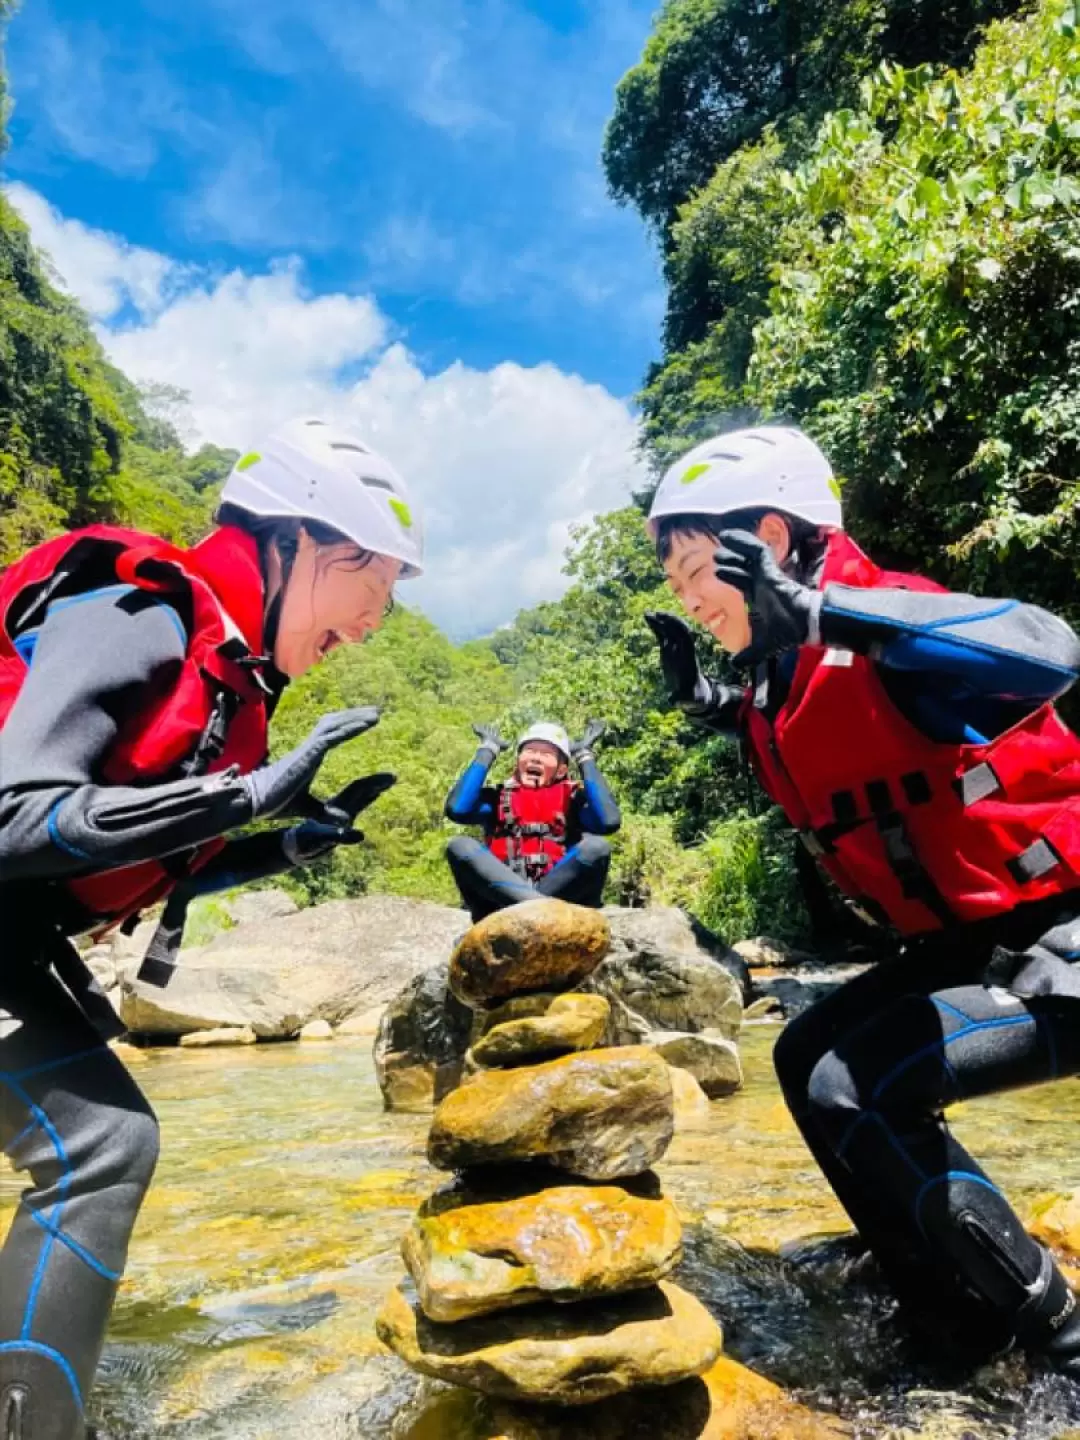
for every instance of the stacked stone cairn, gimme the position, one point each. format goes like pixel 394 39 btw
pixel 538 1274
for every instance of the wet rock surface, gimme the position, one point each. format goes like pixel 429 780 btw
pixel 421 1042
pixel 569 1023
pixel 600 1114
pixel 540 945
pixel 560 1354
pixel 568 1243
pixel 712 1060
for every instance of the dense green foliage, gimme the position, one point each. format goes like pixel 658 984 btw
pixel 716 73
pixel 905 282
pixel 77 444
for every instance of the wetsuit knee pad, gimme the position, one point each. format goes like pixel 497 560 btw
pixel 130 1151
pixel 794 1056
pixel 592 850
pixel 970 1220
pixel 831 1094
pixel 39 1397
pixel 462 847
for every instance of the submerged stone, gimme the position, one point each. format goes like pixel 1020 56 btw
pixel 570 1022
pixel 569 1243
pixel 712 1059
pixel 601 1114
pixel 561 1354
pixel 539 945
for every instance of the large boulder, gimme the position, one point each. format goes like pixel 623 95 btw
pixel 666 972
pixel 560 1354
pixel 421 1043
pixel 538 945
pixel 712 1060
pixel 568 1243
pixel 600 1114
pixel 276 975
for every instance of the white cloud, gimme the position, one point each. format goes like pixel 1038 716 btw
pixel 503 461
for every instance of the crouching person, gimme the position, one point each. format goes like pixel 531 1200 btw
pixel 542 830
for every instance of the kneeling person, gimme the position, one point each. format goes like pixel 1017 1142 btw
pixel 542 830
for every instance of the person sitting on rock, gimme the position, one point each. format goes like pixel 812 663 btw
pixel 910 735
pixel 137 681
pixel 542 830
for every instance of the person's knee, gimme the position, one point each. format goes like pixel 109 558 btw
pixel 794 1056
pixel 462 848
pixel 125 1154
pixel 593 850
pixel 831 1094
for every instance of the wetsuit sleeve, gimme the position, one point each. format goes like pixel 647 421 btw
pixel 91 664
pixel 470 802
pixel 999 649
pixel 243 861
pixel 598 811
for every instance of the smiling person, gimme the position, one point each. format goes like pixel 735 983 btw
pixel 910 735
pixel 542 830
pixel 137 681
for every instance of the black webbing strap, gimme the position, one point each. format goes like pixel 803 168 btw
pixel 159 962
pixel 915 881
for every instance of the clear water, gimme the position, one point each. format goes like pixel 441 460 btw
pixel 272 1233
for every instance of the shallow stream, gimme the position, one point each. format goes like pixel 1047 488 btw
pixel 272 1233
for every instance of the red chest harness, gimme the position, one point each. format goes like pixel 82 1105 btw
pixel 530 828
pixel 921 833
pixel 214 716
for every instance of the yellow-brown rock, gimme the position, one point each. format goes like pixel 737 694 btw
pixel 601 1114
pixel 728 1402
pixel 570 1243
pixel 1057 1223
pixel 570 1022
pixel 518 1007
pixel 540 945
pixel 560 1354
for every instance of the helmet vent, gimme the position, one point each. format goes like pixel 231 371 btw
pixel 316 422
pixel 344 445
pixel 374 483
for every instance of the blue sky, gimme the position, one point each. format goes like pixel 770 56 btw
pixel 439 155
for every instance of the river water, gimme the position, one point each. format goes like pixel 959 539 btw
pixel 272 1232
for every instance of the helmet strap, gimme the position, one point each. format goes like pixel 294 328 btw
pixel 284 547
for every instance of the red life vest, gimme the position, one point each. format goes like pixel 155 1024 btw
pixel 530 827
pixel 921 833
pixel 214 716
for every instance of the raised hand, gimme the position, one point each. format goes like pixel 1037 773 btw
pixel 581 750
pixel 678 657
pixel 275 786
pixel 490 740
pixel 783 613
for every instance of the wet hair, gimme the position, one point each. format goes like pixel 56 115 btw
pixel 807 539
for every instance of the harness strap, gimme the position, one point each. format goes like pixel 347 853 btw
pixel 916 883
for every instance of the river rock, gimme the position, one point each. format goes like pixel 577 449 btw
pixel 728 1402
pixel 323 963
pixel 763 952
pixel 600 1114
pixel 570 1022
pixel 665 972
pixel 691 1103
pixel 226 1035
pixel 711 1059
pixel 569 1243
pixel 538 945
pixel 560 1354
pixel 248 907
pixel 421 1042
pixel 1056 1223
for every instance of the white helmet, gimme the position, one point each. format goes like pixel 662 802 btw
pixel 309 470
pixel 770 466
pixel 552 734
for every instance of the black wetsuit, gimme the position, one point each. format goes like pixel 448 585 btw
pixel 486 884
pixel 964 1012
pixel 71 1116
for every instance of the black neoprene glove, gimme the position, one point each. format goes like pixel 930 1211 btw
pixel 491 742
pixel 581 750
pixel 332 822
pixel 705 701
pixel 783 613
pixel 274 787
